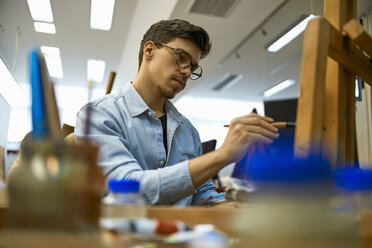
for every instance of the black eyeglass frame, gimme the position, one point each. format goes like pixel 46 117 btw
pixel 177 51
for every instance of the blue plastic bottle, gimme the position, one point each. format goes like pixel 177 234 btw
pixel 124 200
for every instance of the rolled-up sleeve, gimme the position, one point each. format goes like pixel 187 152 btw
pixel 204 191
pixel 159 186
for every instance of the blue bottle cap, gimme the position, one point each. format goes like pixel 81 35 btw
pixel 353 179
pixel 285 169
pixel 124 186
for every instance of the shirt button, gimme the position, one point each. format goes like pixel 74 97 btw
pixel 160 132
pixel 162 162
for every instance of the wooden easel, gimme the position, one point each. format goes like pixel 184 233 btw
pixel 336 48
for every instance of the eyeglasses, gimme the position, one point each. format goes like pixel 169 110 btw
pixel 184 60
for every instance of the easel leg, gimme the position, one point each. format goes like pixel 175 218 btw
pixel 338 133
pixel 308 134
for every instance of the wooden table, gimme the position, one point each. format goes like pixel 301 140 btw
pixel 229 218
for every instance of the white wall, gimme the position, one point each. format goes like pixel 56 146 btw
pixel 4 123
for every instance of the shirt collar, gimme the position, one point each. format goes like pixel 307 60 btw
pixel 138 106
pixel 172 112
pixel 135 102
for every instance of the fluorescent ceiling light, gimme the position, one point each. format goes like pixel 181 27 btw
pixel 227 81
pixel 40 10
pixel 289 35
pixel 279 87
pixel 9 88
pixel 101 13
pixel 52 51
pixel 96 70
pixel 54 65
pixel 44 27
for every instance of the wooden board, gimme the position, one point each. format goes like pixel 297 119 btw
pixel 59 239
pixel 357 33
pixel 221 218
pixel 338 112
pixel 308 132
pixel 349 56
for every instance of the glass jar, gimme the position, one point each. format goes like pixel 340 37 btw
pixel 124 200
pixel 291 206
pixel 56 186
pixel 354 198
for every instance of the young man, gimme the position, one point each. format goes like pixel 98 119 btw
pixel 142 136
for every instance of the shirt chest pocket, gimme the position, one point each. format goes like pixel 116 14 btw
pixel 187 155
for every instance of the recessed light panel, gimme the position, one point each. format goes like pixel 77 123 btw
pixel 40 10
pixel 279 87
pixel 52 51
pixel 44 27
pixel 290 35
pixel 101 13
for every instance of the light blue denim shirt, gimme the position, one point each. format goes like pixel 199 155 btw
pixel 130 138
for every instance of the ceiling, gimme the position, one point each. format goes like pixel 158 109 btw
pixel 250 25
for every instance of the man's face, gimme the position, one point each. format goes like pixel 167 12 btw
pixel 167 75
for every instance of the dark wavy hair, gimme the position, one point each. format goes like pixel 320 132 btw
pixel 167 30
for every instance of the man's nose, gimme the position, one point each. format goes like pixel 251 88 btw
pixel 186 71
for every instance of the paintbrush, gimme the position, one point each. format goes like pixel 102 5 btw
pixel 280 124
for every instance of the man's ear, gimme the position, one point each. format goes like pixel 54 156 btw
pixel 148 49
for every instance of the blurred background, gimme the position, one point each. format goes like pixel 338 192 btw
pixel 240 69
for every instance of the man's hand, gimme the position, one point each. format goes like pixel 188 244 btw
pixel 245 131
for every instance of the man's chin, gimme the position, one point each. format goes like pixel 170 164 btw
pixel 170 95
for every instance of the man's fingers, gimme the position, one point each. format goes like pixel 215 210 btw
pixel 265 118
pixel 267 126
pixel 255 121
pixel 259 138
pixel 262 131
pixel 252 115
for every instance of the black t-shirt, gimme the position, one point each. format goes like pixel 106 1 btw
pixel 163 120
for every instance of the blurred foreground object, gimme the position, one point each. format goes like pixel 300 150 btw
pixel 237 189
pixel 167 233
pixel 124 200
pixel 67 129
pixel 144 226
pixel 354 197
pixel 15 165
pixel 291 206
pixel 56 185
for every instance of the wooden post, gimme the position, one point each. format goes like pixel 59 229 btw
pixel 357 33
pixel 308 133
pixel 2 165
pixel 55 121
pixel 110 82
pixel 339 117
